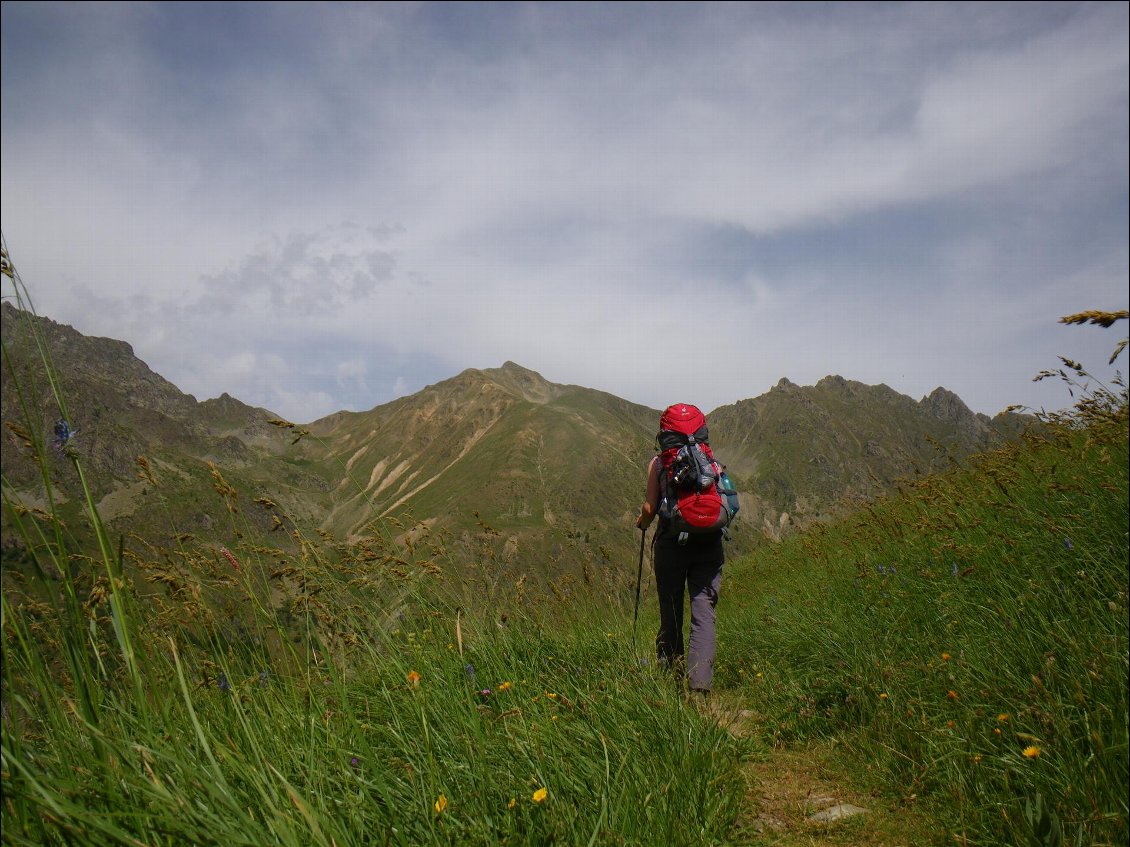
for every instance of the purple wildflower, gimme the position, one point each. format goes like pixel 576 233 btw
pixel 222 682
pixel 1067 545
pixel 63 433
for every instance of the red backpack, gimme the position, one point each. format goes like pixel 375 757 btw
pixel 694 492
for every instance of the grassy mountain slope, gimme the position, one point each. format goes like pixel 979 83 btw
pixel 548 472
pixel 807 451
pixel 964 642
pixel 540 463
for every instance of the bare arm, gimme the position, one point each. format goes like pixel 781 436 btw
pixel 651 502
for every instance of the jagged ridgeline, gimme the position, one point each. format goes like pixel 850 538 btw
pixel 120 410
pixel 810 452
pixel 540 477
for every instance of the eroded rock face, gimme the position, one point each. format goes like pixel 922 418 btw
pixel 947 407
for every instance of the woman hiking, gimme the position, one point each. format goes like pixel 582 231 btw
pixel 683 492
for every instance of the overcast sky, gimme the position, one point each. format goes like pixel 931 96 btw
pixel 323 207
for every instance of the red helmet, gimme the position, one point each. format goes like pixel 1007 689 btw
pixel 682 417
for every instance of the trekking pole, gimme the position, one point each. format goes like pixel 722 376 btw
pixel 639 579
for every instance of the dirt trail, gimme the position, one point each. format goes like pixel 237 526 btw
pixel 805 795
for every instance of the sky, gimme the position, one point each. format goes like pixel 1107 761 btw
pixel 316 207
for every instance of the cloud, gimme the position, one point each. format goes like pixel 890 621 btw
pixel 328 207
pixel 352 373
pixel 319 273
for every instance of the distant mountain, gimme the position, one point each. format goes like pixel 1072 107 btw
pixel 541 474
pixel 809 451
pixel 538 462
pixel 120 410
pixel 556 470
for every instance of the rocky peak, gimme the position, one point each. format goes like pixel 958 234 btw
pixel 525 383
pixel 839 385
pixel 943 405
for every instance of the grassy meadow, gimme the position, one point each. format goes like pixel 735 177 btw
pixel 964 641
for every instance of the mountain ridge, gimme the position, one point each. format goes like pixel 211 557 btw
pixel 554 469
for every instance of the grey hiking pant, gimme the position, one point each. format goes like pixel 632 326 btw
pixel 695 568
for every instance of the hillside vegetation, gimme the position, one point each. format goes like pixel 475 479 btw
pixel 966 641
pixel 555 470
pixel 963 641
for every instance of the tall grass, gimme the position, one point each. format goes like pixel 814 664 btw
pixel 323 693
pixel 529 737
pixel 968 638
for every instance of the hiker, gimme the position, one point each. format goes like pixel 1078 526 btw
pixel 687 548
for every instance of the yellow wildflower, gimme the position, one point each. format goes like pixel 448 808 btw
pixel 1002 717
pixel 945 657
pixel 1031 752
pixel 441 804
pixel 540 795
pixel 883 696
pixel 414 679
pixel 513 802
pixel 504 687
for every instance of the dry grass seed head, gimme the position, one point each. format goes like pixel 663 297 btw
pixel 1105 319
